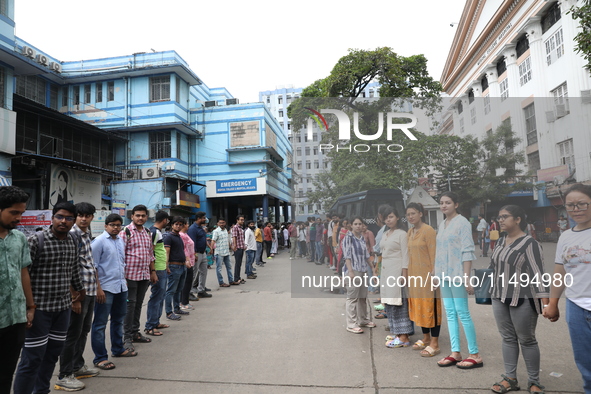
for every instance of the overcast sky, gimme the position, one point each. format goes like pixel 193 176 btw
pixel 244 46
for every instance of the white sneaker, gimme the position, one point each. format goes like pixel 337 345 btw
pixel 187 307
pixel 68 383
pixel 86 372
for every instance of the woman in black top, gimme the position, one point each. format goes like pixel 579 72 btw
pixel 518 295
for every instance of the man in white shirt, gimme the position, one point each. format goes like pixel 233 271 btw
pixel 481 228
pixel 251 248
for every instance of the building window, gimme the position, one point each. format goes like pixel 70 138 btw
pixel 311 208
pixel 288 126
pixel 529 113
pixel 288 99
pixel 484 83
pixel 31 87
pixel 111 91
pixel 178 89
pixel 371 93
pixel 487 104
pixel 561 100
pixel 160 89
pixel 554 47
pixel 315 151
pixel 280 99
pixel 99 92
pixel 301 209
pixel 533 161
pixel 525 71
pixel 504 86
pixel 470 96
pixel 460 107
pixel 299 138
pixel 325 164
pixel 522 45
pixel 76 91
pixel 281 114
pixel 53 94
pixel 65 96
pixel 268 99
pixel 461 125
pixel 4 7
pixel 501 67
pixel 281 125
pixel 179 140
pixel 160 145
pixel 566 154
pixel 299 165
pixel 315 137
pixel 316 164
pixel 473 116
pixel 308 165
pixel 307 149
pixel 298 151
pixel 552 16
pixel 87 94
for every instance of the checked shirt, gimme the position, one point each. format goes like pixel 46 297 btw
pixel 54 272
pixel 139 252
pixel 238 233
pixel 87 268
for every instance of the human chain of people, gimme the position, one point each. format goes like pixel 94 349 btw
pixel 64 284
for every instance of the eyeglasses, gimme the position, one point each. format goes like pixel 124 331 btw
pixel 114 225
pixel 62 217
pixel 503 217
pixel 581 206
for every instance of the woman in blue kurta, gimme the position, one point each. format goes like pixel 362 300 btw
pixel 453 261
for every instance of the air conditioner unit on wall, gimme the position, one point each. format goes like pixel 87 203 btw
pixel 561 110
pixel 150 173
pixel 29 52
pixel 210 104
pixel 586 96
pixel 232 101
pixel 129 174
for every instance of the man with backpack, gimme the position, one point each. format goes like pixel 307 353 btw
pixel 139 272
pixel 158 289
pixel 54 271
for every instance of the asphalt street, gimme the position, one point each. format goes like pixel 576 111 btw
pixel 270 336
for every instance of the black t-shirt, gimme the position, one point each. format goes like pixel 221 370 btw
pixel 177 247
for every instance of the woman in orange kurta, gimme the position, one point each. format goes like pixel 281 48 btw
pixel 423 304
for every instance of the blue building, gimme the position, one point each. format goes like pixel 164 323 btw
pixel 141 129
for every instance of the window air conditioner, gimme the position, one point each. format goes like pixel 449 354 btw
pixel 210 103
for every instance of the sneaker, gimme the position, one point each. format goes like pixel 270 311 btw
pixel 172 316
pixel 193 297
pixel 86 372
pixel 187 307
pixel 69 383
pixel 205 295
pixel 251 277
pixel 181 312
pixel 206 289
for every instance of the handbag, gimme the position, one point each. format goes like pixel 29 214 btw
pixel 482 291
pixel 494 235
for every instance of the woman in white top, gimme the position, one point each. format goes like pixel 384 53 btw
pixel 573 271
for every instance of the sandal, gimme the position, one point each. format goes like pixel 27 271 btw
pixel 126 353
pixel 355 330
pixel 473 364
pixel 140 338
pixel 537 384
pixel 153 331
pixel 419 345
pixel 105 365
pixel 369 324
pixel 381 315
pixel 162 325
pixel 429 352
pixel 397 343
pixel 513 386
pixel 452 361
pixel 224 285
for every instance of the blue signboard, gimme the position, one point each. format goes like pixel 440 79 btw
pixel 236 185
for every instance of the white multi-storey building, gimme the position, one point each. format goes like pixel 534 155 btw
pixel 514 60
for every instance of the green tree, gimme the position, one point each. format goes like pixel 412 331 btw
pixel 583 38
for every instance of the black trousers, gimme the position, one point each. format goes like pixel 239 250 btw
pixel 268 245
pixel 238 255
pixel 12 339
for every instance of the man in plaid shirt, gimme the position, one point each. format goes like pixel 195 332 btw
pixel 221 245
pixel 238 247
pixel 55 269
pixel 139 272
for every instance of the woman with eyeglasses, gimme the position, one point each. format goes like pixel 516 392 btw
pixel 453 262
pixel 573 272
pixel 518 295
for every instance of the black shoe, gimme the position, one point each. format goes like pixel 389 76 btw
pixel 192 297
pixel 206 289
pixel 204 295
pixel 181 312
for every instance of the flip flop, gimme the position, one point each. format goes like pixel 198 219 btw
pixel 473 364
pixel 126 353
pixel 452 361
pixel 419 345
pixel 430 352
pixel 105 365
pixel 369 324
pixel 162 325
pixel 355 330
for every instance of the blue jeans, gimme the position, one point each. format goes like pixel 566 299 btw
pixel 579 326
pixel 156 300
pixel 219 260
pixel 176 281
pixel 115 306
pixel 44 342
pixel 250 255
pixel 259 254
pixel 319 253
pixel 455 302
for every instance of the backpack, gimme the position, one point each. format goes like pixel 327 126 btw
pixel 41 240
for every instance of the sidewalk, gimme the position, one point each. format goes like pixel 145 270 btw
pixel 257 338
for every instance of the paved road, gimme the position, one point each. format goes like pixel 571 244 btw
pixel 266 336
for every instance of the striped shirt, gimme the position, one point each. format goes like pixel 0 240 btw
pixel 222 246
pixel 238 233
pixel 139 252
pixel 510 262
pixel 87 268
pixel 354 249
pixel 54 272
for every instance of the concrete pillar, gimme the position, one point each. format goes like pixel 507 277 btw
pixel 277 210
pixel 265 208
